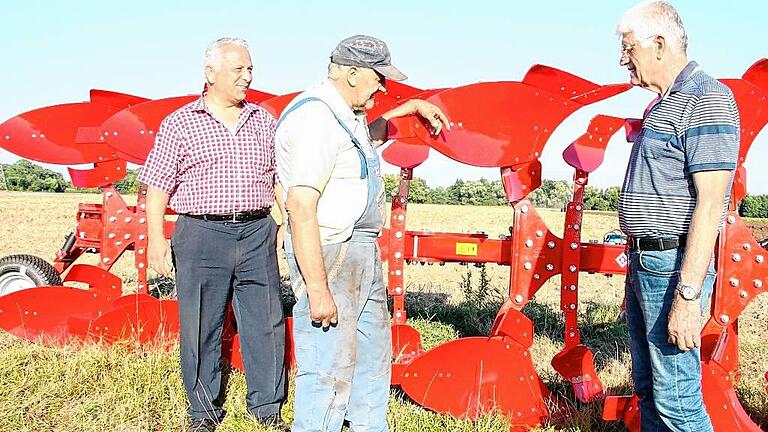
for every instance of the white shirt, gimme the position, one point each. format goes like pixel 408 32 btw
pixel 313 150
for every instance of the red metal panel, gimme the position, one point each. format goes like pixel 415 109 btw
pixel 115 99
pixel 61 134
pixel 473 376
pixel 99 280
pixel 131 132
pixel 277 104
pixel 139 320
pixel 587 152
pixel 742 270
pixel 102 174
pixel 42 314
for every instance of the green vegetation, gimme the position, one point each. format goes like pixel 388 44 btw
pixel 27 176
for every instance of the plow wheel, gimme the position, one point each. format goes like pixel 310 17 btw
pixel 18 272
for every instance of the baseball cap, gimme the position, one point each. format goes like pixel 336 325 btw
pixel 368 52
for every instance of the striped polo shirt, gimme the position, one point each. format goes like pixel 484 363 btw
pixel 694 127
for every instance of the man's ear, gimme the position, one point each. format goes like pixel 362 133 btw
pixel 352 76
pixel 660 46
pixel 209 75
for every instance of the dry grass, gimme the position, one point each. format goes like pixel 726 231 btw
pixel 97 389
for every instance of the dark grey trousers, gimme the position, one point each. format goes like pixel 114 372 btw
pixel 216 262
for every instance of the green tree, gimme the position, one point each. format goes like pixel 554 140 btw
pixel 24 175
pixel 129 184
pixel 755 206
pixel 391 182
pixel 551 194
pixel 440 195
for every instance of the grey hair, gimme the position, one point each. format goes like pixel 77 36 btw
pixel 654 18
pixel 213 52
pixel 336 70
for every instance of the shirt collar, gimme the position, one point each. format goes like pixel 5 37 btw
pixel 327 92
pixel 199 106
pixel 683 76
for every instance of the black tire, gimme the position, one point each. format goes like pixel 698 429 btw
pixel 20 271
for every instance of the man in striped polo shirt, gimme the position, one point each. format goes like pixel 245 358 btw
pixel 675 191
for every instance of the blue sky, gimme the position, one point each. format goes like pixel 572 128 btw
pixel 56 51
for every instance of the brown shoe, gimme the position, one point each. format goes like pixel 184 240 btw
pixel 276 422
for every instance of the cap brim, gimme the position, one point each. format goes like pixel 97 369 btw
pixel 391 72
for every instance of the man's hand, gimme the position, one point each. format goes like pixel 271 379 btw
pixel 159 256
pixel 684 326
pixel 430 113
pixel 322 308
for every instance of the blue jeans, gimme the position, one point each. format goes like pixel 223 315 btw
pixel 666 379
pixel 344 372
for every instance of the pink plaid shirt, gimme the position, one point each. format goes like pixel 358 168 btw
pixel 206 169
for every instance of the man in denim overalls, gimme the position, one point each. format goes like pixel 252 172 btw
pixel 328 166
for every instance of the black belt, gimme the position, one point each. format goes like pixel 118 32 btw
pixel 656 243
pixel 243 216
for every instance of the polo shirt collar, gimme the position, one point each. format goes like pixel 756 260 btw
pixel 683 76
pixel 331 96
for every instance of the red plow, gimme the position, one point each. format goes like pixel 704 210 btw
pixel 498 124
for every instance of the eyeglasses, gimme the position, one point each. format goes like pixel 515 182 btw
pixel 626 49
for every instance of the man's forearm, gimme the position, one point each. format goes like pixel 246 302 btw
pixel 305 238
pixel 157 201
pixel 700 244
pixel 711 189
pixel 280 201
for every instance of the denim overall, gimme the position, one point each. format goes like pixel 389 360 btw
pixel 344 371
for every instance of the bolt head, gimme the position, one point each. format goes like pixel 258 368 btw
pixel 519 298
pixel 527 266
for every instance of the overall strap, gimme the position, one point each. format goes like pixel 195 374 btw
pixel 358 146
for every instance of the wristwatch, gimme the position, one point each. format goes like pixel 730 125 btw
pixel 688 292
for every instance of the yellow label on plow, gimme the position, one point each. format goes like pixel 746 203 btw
pixel 466 249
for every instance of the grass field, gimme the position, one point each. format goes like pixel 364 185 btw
pixel 94 389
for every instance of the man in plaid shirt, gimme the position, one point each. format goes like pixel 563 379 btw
pixel 213 162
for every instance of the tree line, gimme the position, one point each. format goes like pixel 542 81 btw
pixel 24 175
pixel 27 176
